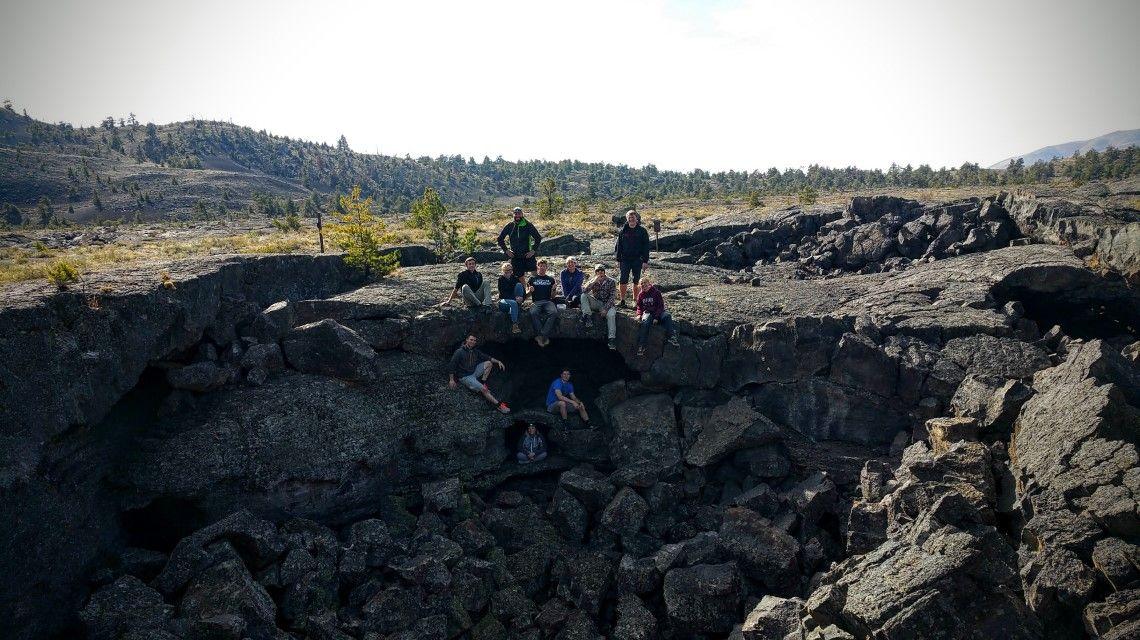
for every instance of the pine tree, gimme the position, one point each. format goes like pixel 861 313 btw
pixel 361 236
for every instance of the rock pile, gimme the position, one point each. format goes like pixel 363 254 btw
pixel 940 446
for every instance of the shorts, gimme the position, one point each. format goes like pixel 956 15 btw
pixel 523 265
pixel 472 381
pixel 553 407
pixel 625 268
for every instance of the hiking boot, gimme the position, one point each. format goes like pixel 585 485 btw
pixel 611 344
pixel 641 351
pixel 503 408
pixel 516 329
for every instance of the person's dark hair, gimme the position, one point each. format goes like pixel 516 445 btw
pixel 564 370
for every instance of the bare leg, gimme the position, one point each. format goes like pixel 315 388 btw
pixel 621 292
pixel 562 408
pixel 582 412
pixel 486 371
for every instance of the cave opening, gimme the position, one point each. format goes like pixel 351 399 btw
pixel 530 369
pixel 517 427
pixel 161 524
pixel 1115 320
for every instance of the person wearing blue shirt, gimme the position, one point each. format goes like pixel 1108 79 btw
pixel 571 280
pixel 560 397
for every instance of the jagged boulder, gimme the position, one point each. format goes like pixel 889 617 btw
pixel 645 431
pixel 328 348
pixel 723 430
pixel 124 606
pixel 704 598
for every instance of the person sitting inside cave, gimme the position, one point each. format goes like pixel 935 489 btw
pixel 511 295
pixel 560 398
pixel 472 367
pixel 472 286
pixel 543 313
pixel 532 446
pixel 650 309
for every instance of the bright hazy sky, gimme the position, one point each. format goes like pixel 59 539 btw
pixel 741 84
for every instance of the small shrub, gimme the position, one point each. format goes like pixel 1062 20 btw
pixel 167 281
pixel 808 195
pixel 362 237
pixel 469 243
pixel 62 274
pixel 291 222
pixel 754 199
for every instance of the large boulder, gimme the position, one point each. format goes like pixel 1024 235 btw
pixel 124 606
pixel 764 552
pixel 704 598
pixel 328 348
pixel 719 432
pixel 645 431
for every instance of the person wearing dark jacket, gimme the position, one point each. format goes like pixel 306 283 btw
pixel 532 446
pixel 632 251
pixel 524 240
pixel 571 279
pixel 471 367
pixel 511 295
pixel 650 309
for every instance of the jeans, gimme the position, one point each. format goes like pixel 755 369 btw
pixel 549 312
pixel 590 303
pixel 512 306
pixel 476 298
pixel 523 459
pixel 666 322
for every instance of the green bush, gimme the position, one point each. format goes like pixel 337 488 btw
pixel 808 195
pixel 362 237
pixel 62 274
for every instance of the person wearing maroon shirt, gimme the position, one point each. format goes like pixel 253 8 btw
pixel 650 309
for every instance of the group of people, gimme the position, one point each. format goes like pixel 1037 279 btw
pixel 525 275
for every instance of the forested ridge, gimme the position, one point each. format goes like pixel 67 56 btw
pixel 394 182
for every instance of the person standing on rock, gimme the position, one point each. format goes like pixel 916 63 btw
pixel 632 252
pixel 560 397
pixel 543 312
pixel 650 309
pixel 532 446
pixel 511 295
pixel 524 240
pixel 472 367
pixel 472 286
pixel 598 295
pixel 570 279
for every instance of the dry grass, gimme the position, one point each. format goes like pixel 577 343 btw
pixel 18 263
pixel 30 263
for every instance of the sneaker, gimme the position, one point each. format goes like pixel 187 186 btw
pixel 516 329
pixel 545 341
pixel 611 344
pixel 538 341
pixel 503 408
pixel 641 351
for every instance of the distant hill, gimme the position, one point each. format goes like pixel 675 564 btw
pixel 126 170
pixel 1116 139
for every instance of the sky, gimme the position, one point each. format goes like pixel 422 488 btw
pixel 681 84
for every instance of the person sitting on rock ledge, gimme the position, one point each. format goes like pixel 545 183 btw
pixel 560 396
pixel 524 241
pixel 532 446
pixel 570 280
pixel 540 286
pixel 650 309
pixel 598 295
pixel 472 367
pixel 475 289
pixel 511 295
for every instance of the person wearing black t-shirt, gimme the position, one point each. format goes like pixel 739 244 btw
pixel 475 289
pixel 543 312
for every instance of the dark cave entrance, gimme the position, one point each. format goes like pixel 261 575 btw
pixel 1109 318
pixel 517 427
pixel 531 369
pixel 161 524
